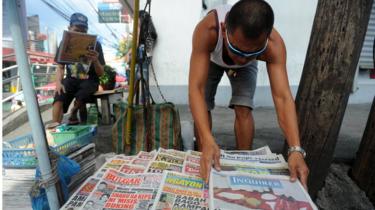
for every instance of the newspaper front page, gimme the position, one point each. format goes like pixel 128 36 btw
pixel 80 196
pixel 179 191
pixel 242 191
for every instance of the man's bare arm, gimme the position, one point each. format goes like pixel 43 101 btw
pixel 281 94
pixel 204 41
pixel 275 58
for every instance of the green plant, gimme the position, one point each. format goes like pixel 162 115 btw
pixel 108 79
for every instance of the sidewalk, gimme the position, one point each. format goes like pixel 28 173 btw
pixel 339 192
pixel 267 131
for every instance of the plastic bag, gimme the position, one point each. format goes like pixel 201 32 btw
pixel 66 168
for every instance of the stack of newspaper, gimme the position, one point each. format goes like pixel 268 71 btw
pixel 169 179
pixel 257 179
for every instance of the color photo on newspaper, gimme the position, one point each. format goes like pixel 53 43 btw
pixel 242 191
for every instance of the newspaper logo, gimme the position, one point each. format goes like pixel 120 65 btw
pixel 245 180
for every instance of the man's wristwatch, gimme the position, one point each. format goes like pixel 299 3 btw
pixel 297 149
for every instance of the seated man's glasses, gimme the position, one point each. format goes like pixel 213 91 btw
pixel 241 53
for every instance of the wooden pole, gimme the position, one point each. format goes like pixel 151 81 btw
pixel 363 170
pixel 335 44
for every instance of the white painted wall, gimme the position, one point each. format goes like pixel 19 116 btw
pixel 175 21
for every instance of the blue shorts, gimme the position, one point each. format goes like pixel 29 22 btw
pixel 242 80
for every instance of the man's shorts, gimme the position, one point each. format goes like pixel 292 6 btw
pixel 243 83
pixel 82 90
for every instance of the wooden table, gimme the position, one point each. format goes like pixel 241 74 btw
pixel 108 97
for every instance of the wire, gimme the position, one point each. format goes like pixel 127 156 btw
pixel 112 43
pixel 59 12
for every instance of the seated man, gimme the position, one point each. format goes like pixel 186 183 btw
pixel 78 84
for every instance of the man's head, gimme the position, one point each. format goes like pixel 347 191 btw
pixel 247 28
pixel 78 23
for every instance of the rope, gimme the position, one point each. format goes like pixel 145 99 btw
pixel 52 180
pixel 157 83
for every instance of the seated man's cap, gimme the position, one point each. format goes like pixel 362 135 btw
pixel 78 19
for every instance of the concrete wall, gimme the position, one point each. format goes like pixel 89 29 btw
pixel 175 22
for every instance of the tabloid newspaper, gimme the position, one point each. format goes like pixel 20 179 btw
pixel 260 151
pixel 132 169
pixel 140 162
pixel 179 191
pixel 160 166
pixel 79 197
pixel 191 169
pixel 195 153
pixel 193 159
pixel 169 158
pixel 257 170
pixel 273 158
pixel 172 152
pixel 146 155
pixel 242 191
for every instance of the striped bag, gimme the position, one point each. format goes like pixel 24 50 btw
pixel 153 126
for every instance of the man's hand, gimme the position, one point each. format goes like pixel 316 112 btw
pixel 59 88
pixel 92 55
pixel 210 152
pixel 298 168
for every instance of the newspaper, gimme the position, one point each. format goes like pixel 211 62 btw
pixel 257 170
pixel 191 169
pixel 141 162
pixel 242 191
pixel 132 169
pixel 146 155
pixel 169 158
pixel 74 47
pixel 179 191
pixel 79 197
pixel 260 151
pixel 193 159
pixel 259 160
pixel 172 152
pixel 99 196
pixel 195 153
pixel 160 166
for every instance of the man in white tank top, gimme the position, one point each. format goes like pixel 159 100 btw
pixel 231 40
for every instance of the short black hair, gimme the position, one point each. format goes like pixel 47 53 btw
pixel 253 17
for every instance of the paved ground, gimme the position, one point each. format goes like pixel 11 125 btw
pixel 267 132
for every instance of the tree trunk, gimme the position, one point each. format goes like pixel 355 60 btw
pixel 333 53
pixel 363 171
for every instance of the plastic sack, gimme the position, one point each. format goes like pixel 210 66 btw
pixel 66 168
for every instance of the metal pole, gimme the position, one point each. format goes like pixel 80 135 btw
pixel 32 107
pixel 132 72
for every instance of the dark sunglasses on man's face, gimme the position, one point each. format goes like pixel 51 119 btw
pixel 241 53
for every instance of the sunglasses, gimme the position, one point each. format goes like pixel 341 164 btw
pixel 241 53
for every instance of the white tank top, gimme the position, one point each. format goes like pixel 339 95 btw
pixel 216 56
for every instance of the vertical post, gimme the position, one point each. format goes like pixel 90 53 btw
pixel 363 168
pixel 132 72
pixel 32 107
pixel 331 60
